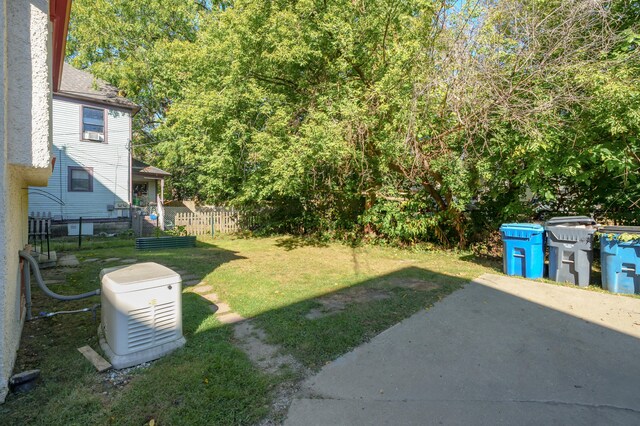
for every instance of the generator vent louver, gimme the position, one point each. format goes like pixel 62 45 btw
pixel 151 325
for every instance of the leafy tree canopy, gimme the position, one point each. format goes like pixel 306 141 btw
pixel 410 120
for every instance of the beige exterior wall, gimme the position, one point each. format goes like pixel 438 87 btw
pixel 25 150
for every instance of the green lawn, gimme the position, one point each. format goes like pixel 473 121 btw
pixel 275 281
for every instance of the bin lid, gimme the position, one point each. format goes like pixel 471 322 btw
pixel 138 277
pixel 522 226
pixel 620 230
pixel 570 221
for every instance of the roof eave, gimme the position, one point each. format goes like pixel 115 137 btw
pixel 133 108
pixel 59 14
pixel 152 175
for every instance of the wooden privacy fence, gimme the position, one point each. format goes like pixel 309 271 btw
pixel 224 221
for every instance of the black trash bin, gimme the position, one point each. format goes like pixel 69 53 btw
pixel 570 241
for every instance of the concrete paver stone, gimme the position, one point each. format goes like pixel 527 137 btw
pixel 202 289
pixel 68 260
pixel 230 318
pixel 223 308
pixel 212 297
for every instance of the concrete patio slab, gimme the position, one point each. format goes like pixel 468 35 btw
pixel 500 351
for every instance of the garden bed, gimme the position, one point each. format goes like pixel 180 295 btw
pixel 158 243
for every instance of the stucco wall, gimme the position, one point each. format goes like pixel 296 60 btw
pixel 29 89
pixel 15 200
pixel 25 133
pixel 4 362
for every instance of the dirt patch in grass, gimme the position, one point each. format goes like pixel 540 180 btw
pixel 271 359
pixel 337 302
pixel 283 397
pixel 267 357
pixel 123 376
pixel 410 283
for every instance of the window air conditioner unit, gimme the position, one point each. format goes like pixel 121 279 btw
pixel 141 316
pixel 94 136
pixel 122 205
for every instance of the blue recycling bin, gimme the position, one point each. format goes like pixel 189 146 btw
pixel 523 252
pixel 620 258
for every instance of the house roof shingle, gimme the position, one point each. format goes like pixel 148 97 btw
pixel 82 85
pixel 142 168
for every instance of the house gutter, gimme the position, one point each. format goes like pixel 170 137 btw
pixel 59 14
pixel 130 189
pixel 134 108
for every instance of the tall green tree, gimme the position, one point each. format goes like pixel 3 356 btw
pixel 123 41
pixel 396 116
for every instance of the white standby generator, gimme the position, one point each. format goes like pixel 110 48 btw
pixel 141 313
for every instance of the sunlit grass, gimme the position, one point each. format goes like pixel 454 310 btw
pixel 275 281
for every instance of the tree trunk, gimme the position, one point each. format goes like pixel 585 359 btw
pixel 369 201
pixel 444 205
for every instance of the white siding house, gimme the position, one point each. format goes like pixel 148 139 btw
pixel 32 43
pixel 91 146
pixel 94 175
